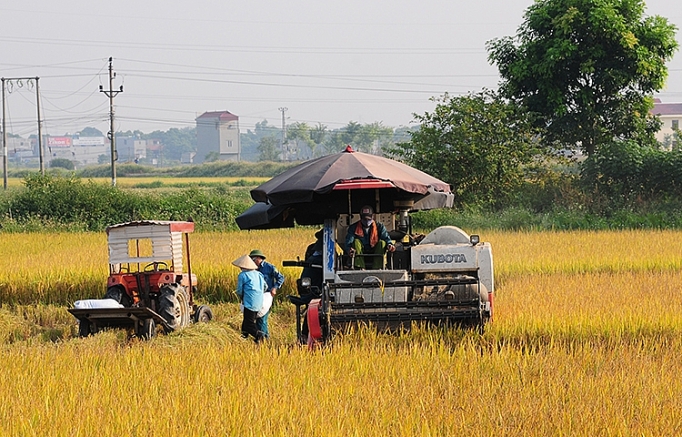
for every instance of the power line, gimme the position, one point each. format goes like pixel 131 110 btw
pixel 369 51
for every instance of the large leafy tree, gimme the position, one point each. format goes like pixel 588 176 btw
pixel 478 143
pixel 587 69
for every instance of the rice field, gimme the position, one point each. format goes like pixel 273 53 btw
pixel 586 340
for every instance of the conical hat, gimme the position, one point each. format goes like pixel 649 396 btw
pixel 244 262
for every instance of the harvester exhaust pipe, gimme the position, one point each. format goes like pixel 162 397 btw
pixel 403 207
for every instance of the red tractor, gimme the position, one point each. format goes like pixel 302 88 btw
pixel 148 283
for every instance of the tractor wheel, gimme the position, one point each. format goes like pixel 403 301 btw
pixel 119 295
pixel 84 328
pixel 203 314
pixel 174 306
pixel 146 329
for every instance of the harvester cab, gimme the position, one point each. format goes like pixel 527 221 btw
pixel 444 277
pixel 150 281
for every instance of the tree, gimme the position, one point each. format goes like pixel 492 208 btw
pixel 371 138
pixel 212 156
pixel 333 142
pixel 251 139
pixel 268 149
pixel 403 134
pixel 175 141
pixel 587 69
pixel 62 163
pixel 318 134
pixel 91 132
pixel 350 132
pixel 478 143
pixel 299 134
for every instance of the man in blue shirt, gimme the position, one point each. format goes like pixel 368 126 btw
pixel 368 237
pixel 273 278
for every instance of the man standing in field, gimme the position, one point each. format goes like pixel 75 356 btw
pixel 273 278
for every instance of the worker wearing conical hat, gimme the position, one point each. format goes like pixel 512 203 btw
pixel 250 288
pixel 273 277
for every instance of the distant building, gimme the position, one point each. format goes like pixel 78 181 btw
pixel 130 149
pixel 19 149
pixel 218 132
pixel 188 157
pixel 670 114
pixel 87 150
pixel 80 150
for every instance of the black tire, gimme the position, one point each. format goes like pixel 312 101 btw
pixel 203 314
pixel 119 295
pixel 146 329
pixel 84 328
pixel 174 306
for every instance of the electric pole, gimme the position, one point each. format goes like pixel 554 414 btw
pixel 284 133
pixel 4 124
pixel 40 135
pixel 111 93
pixel 4 137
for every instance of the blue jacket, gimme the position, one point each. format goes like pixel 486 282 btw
pixel 273 277
pixel 250 288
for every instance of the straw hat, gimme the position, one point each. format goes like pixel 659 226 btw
pixel 244 262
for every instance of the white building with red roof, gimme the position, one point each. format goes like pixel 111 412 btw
pixel 218 131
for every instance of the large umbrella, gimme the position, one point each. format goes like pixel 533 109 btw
pixel 348 170
pixel 265 216
pixel 342 183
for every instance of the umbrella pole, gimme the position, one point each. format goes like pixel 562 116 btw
pixel 377 203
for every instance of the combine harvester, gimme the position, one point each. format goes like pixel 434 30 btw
pixel 443 278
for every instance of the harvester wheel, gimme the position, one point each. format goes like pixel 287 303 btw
pixel 174 306
pixel 84 328
pixel 119 295
pixel 203 314
pixel 147 329
pixel 315 335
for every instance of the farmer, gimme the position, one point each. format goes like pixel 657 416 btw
pixel 313 258
pixel 274 280
pixel 250 288
pixel 368 237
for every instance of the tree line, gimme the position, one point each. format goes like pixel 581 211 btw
pixel 301 141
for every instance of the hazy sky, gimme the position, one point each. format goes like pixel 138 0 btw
pixel 327 62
